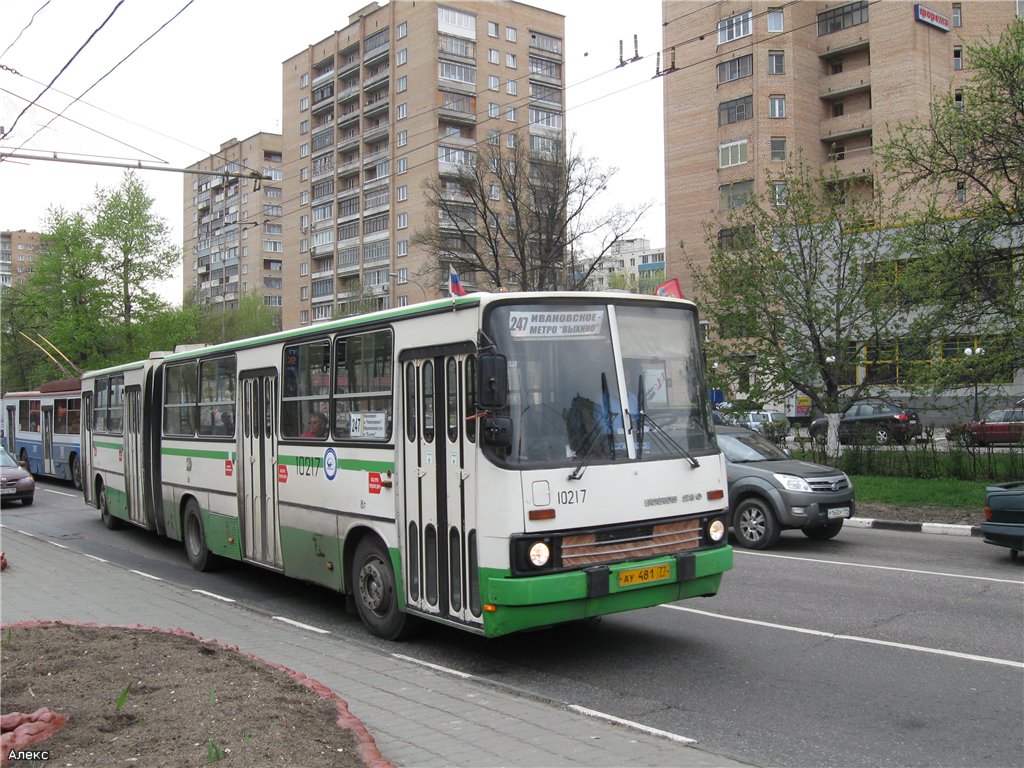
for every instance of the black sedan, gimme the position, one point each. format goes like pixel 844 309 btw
pixel 1004 517
pixel 770 491
pixel 16 482
pixel 874 421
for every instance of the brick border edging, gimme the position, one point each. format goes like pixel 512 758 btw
pixel 367 745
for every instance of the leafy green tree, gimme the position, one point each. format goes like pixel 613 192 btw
pixel 634 283
pixel 218 322
pixel 968 159
pixel 797 288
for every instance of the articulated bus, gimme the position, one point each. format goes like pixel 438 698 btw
pixel 464 460
pixel 42 428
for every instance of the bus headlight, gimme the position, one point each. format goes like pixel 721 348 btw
pixel 539 554
pixel 716 531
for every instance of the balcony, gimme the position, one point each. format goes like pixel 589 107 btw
pixel 348 142
pixel 846 84
pixel 377 80
pixel 347 118
pixel 376 133
pixel 375 157
pixel 839 129
pixel 854 163
pixel 378 105
pixel 350 65
pixel 456 116
pixel 843 42
pixel 380 53
pixel 347 169
pixel 347 94
pixel 323 76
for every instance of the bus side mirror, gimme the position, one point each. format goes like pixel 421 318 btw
pixel 497 430
pixel 492 381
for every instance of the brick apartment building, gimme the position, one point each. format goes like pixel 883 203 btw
pixel 757 80
pixel 233 226
pixel 18 251
pixel 401 95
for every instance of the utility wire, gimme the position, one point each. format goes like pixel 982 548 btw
pixel 63 69
pixel 23 29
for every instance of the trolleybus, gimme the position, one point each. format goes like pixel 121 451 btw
pixel 464 460
pixel 42 428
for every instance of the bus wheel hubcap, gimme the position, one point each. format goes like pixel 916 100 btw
pixel 371 586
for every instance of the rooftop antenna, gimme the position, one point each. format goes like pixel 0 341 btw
pixel 622 62
pixel 636 49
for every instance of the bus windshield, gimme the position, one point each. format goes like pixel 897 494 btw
pixel 571 398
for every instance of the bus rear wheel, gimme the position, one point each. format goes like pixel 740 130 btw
pixel 198 553
pixel 374 591
pixel 110 522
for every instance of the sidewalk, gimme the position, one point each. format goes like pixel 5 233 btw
pixel 418 715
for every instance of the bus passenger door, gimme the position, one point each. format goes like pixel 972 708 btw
pixel 437 511
pixel 133 456
pixel 46 436
pixel 259 515
pixel 86 452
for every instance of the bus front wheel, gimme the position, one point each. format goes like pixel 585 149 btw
pixel 374 591
pixel 76 471
pixel 198 553
pixel 110 522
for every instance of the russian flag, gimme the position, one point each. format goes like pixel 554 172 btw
pixel 454 284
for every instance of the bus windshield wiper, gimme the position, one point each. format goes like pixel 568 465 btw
pixel 665 439
pixel 595 431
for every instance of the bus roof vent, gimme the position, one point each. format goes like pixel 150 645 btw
pixel 188 347
pixel 158 355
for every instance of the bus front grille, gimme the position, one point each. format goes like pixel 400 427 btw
pixel 658 539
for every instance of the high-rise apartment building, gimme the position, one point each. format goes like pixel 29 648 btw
pixel 404 94
pixel 234 226
pixel 18 251
pixel 758 80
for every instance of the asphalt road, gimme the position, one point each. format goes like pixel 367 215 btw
pixel 877 648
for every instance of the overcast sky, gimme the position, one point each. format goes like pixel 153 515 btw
pixel 212 71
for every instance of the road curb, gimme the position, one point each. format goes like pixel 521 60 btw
pixel 946 529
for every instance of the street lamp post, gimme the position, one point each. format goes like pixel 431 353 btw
pixel 970 352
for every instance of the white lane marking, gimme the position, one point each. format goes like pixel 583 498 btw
pixel 300 625
pixel 214 595
pixel 147 575
pixel 54 543
pixel 61 493
pixel 630 724
pixel 435 667
pixel 100 559
pixel 852 638
pixel 878 567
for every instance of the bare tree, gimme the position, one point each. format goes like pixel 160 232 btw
pixel 521 216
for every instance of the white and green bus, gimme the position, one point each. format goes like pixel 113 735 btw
pixel 465 460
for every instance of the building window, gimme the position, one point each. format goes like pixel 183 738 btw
pixel 304 150
pixel 495 193
pixel 402 193
pixel 776 62
pixel 836 67
pixel 402 138
pixel 493 136
pixel 303 103
pixel 510 114
pixel 958 15
pixel 449 17
pixel 304 80
pixel 732 153
pixel 734 69
pixel 403 247
pixel 402 165
pixel 402 30
pixel 958 98
pixel 510 140
pixel 961 191
pixel 402 221
pixel 777 106
pixel 837 109
pixel 304 269
pixel 779 192
pixel 402 84
pixel 844 17
pixel 459 73
pixel 734 27
pixel 735 195
pixel 401 110
pixel 736 110
pixel 510 34
pixel 775 22
pixel 493 83
pixel 304 127
pixel 510 88
pixel 511 61
pixel 778 149
pixel 401 57
pixel 493 56
pixel 493 110
pixel 492 29
pixel 958 57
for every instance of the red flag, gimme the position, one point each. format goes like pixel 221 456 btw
pixel 454 284
pixel 669 288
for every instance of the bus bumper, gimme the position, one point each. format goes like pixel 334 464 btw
pixel 514 604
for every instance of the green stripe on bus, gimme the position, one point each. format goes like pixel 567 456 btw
pixel 105 444
pixel 196 454
pixel 354 465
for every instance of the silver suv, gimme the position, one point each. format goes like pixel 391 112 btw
pixel 770 491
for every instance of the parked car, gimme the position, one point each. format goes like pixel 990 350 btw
pixel 1003 426
pixel 16 482
pixel 874 421
pixel 1004 517
pixel 770 491
pixel 774 424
